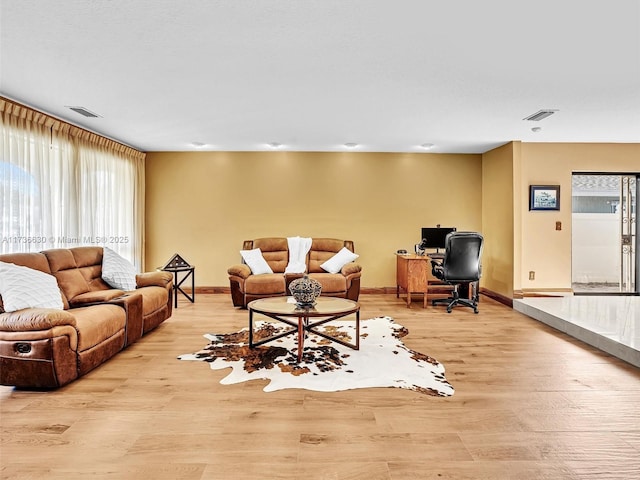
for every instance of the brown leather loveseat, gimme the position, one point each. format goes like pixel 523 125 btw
pixel 48 348
pixel 246 286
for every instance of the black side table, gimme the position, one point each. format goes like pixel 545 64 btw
pixel 188 271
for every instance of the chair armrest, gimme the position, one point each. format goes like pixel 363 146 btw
pixel 350 269
pixel 436 269
pixel 132 304
pixel 240 270
pixel 153 279
pixel 33 319
pixel 97 296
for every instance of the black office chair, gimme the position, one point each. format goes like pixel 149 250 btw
pixel 461 264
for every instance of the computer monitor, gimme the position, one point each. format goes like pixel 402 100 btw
pixel 433 237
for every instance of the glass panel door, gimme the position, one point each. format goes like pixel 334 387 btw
pixel 604 240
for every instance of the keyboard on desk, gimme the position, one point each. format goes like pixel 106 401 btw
pixel 435 256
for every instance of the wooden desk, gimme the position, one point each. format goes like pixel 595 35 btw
pixel 412 276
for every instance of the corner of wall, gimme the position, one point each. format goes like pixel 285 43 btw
pixel 497 220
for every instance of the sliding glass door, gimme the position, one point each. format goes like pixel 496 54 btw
pixel 604 233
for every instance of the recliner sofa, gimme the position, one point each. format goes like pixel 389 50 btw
pixel 246 287
pixel 48 348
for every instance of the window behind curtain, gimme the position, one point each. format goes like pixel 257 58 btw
pixel 63 187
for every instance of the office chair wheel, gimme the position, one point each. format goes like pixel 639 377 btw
pixel 448 309
pixel 475 310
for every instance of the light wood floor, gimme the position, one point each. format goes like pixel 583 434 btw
pixel 530 403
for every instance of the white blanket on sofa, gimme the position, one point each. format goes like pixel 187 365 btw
pixel 298 249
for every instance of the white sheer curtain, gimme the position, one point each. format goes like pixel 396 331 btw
pixel 61 186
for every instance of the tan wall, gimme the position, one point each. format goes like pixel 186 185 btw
pixel 202 205
pixel 543 249
pixel 517 216
pixel 497 220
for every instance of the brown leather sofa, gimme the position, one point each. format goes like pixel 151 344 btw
pixel 48 348
pixel 246 287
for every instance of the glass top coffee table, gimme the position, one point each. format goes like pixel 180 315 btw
pixel 304 319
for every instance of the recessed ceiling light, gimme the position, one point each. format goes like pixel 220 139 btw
pixel 351 145
pixel 536 129
pixel 427 146
pixel 274 145
pixel 198 144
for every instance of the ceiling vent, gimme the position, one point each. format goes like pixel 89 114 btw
pixel 540 115
pixel 84 112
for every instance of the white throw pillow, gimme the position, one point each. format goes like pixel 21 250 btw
pixel 339 260
pixel 256 261
pixel 118 272
pixel 23 287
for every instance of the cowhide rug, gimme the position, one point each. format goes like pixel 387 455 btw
pixel 382 361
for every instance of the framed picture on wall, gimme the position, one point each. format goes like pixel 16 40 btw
pixel 544 197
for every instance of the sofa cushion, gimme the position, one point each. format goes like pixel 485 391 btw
pixel 275 251
pixel 153 298
pixel 339 260
pixel 89 261
pixel 23 287
pixel 97 323
pixel 117 271
pixel 322 249
pixel 256 261
pixel 63 266
pixel 267 284
pixel 36 261
pixel 330 282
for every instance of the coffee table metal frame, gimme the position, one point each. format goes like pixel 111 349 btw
pixel 326 310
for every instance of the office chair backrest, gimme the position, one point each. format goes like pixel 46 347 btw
pixel 462 257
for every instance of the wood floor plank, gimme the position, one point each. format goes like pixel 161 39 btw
pixel 382 447
pixel 106 471
pixel 326 470
pixel 529 403
pixel 603 447
pixel 485 470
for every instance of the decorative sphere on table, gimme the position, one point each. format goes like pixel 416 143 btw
pixel 305 290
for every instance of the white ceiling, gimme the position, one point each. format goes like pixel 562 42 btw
pixel 312 75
